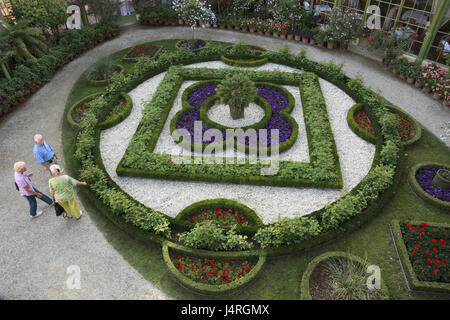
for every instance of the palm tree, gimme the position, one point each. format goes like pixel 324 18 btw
pixel 26 42
pixel 4 58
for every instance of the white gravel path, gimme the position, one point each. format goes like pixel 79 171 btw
pixel 220 113
pixel 170 197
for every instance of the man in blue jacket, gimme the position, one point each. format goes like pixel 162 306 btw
pixel 43 152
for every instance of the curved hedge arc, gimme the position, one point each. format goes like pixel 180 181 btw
pixel 304 286
pixel 381 180
pixel 285 113
pixel 102 83
pixel 244 64
pixel 207 289
pixel 111 121
pixel 255 221
pixel 356 128
pixel 75 125
pixel 417 189
pixel 415 123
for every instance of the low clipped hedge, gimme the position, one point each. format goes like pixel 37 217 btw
pixel 246 64
pixel 414 122
pixel 102 83
pixel 304 286
pixel 417 189
pixel 254 221
pixel 114 119
pixel 206 289
pixel 75 125
pixel 356 128
pixel 414 283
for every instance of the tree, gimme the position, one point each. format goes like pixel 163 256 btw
pixel 5 56
pixel 237 91
pixel 47 14
pixel 24 41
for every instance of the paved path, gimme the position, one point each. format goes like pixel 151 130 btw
pixel 34 254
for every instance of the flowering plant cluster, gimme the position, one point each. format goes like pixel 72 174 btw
pixel 224 216
pixel 79 111
pixel 428 251
pixel 210 271
pixel 424 177
pixel 193 11
pixel 118 108
pixel 142 50
pixel 192 44
pixel 432 75
pixel 406 130
pixel 364 122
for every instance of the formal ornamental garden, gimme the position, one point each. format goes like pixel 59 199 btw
pixel 220 222
pixel 229 170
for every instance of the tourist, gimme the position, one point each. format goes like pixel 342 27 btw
pixel 392 14
pixel 61 190
pixel 306 5
pixel 27 190
pixel 43 152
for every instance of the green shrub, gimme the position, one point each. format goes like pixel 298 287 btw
pixel 210 236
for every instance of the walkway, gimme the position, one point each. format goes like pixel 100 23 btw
pixel 34 255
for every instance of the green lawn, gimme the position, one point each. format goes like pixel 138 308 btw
pixel 280 278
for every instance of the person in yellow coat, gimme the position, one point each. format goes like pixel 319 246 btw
pixel 61 191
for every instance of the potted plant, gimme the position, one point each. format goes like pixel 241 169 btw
pixel 344 26
pixel 321 37
pixel 313 34
pixel 413 72
pixel 305 35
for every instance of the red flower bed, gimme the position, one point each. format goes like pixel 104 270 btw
pixel 224 216
pixel 364 122
pixel 210 271
pixel 118 108
pixel 79 111
pixel 428 251
pixel 142 50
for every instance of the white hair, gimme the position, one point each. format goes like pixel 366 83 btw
pixel 18 166
pixel 37 137
pixel 54 168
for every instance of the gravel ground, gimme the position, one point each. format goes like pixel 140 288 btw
pixel 270 203
pixel 34 255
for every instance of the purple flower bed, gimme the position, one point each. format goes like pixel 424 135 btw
pixel 192 45
pixel 277 100
pixel 424 177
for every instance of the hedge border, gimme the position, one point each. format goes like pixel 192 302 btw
pixel 360 132
pixel 304 285
pixel 253 218
pixel 102 83
pixel 164 108
pixel 112 121
pixel 206 289
pixel 244 64
pixel 417 189
pixel 88 98
pixel 405 263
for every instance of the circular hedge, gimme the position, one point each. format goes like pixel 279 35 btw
pixel 420 192
pixel 72 118
pixel 306 277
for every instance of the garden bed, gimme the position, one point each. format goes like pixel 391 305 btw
pixel 191 44
pixel 79 110
pixel 424 253
pixel 148 50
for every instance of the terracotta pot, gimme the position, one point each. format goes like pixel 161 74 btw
pixel 237 28
pixel 330 45
pixel 275 34
pixel 252 29
pixel 222 27
pixel 215 26
pixel 290 36
pixel 312 41
pixel 403 76
pixel 297 37
pixel 426 89
pixel 445 103
pixel 320 44
pixel 186 23
pixel 244 29
pixel 437 96
pixel 410 80
pixel 395 71
pixel 267 33
pixel 417 84
pixel 230 27
pixel 282 36
pixel 260 32
pixel 305 40
pixel 180 21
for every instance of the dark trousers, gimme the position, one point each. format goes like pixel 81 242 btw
pixel 33 203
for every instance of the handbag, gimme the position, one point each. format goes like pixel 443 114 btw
pixel 58 209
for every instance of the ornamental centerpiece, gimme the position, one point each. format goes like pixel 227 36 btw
pixel 442 178
pixel 237 91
